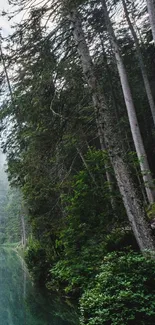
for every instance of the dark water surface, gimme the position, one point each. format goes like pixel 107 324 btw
pixel 21 303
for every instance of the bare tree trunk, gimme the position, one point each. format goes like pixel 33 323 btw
pixel 151 11
pixel 104 148
pixel 132 202
pixel 86 165
pixel 141 63
pixel 24 278
pixel 137 138
pixel 133 206
pixel 6 74
pixel 23 231
pixel 108 175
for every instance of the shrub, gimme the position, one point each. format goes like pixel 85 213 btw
pixel 37 262
pixel 123 292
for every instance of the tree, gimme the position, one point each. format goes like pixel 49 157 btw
pixel 138 142
pixel 151 12
pixel 141 63
pixel 68 103
pixel 14 218
pixel 132 204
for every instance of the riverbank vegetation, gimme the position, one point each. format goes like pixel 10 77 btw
pixel 79 119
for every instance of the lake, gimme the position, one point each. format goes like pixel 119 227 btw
pixel 21 303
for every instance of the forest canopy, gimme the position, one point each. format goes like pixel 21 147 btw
pixel 78 114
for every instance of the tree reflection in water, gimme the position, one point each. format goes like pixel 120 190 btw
pixel 21 303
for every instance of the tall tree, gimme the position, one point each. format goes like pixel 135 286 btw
pixel 151 12
pixel 134 125
pixel 133 206
pixel 141 62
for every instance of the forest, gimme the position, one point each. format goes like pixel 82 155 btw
pixel 77 121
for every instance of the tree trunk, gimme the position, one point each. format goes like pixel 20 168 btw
pixel 24 278
pixel 151 11
pixel 137 138
pixel 132 202
pixel 133 206
pixel 108 177
pixel 23 231
pixel 86 165
pixel 6 74
pixel 141 63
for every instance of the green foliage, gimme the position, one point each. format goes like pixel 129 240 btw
pixel 13 211
pixel 54 156
pixel 23 302
pixel 78 267
pixel 36 259
pixel 151 212
pixel 85 238
pixel 122 293
pixel 3 199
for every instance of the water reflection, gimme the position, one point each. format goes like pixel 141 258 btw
pixel 21 303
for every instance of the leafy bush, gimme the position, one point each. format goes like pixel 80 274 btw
pixel 123 292
pixel 89 220
pixel 73 274
pixel 36 259
pixel 77 268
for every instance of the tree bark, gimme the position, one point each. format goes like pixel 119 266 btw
pixel 6 74
pixel 108 177
pixel 141 63
pixel 151 12
pixel 23 230
pixel 132 203
pixel 86 165
pixel 137 138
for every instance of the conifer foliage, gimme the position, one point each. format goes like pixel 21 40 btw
pixel 78 114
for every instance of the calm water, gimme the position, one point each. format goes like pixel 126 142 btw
pixel 21 303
